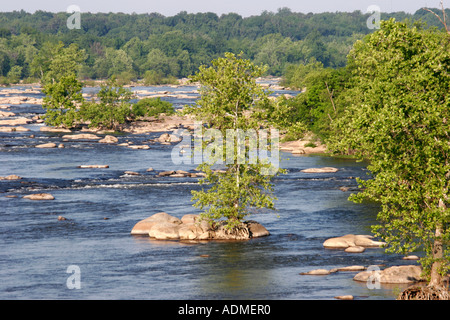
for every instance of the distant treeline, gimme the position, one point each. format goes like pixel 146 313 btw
pixel 159 49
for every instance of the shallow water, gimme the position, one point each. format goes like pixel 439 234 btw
pixel 102 205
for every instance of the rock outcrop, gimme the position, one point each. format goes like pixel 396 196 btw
pixel 15 122
pixel 396 274
pixel 162 226
pixel 14 129
pixel 81 136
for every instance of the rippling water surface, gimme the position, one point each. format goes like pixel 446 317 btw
pixel 102 205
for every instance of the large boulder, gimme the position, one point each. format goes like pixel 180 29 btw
pixel 397 274
pixel 190 218
pixel 165 231
pixel 257 230
pixel 163 226
pixel 143 227
pixel 351 240
pixel 195 231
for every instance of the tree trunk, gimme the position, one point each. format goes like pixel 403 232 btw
pixel 436 278
pixel 438 254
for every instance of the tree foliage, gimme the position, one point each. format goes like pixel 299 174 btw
pixel 399 120
pixel 113 109
pixel 176 46
pixel 61 101
pixel 229 103
pixel 324 96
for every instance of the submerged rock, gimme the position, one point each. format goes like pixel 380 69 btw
pixel 14 129
pixel 143 227
pixel 15 122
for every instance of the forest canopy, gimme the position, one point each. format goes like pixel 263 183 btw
pixel 159 48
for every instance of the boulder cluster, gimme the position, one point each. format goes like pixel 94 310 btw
pixel 162 226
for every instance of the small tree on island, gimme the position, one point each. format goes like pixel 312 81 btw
pixel 231 103
pixel 399 120
pixel 113 109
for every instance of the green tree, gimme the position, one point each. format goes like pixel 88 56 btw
pixel 113 109
pixel 399 120
pixel 152 107
pixel 62 98
pixel 230 102
pixel 159 62
pixel 14 74
pixel 114 63
pixel 322 100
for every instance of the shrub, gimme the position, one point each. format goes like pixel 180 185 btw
pixel 152 107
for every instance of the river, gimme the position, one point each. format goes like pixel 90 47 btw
pixel 38 251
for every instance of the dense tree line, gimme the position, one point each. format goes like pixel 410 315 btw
pixel 158 49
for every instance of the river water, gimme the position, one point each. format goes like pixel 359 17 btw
pixel 38 252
